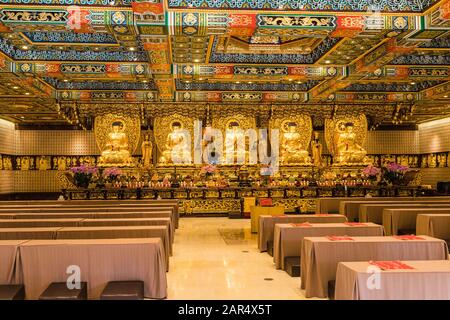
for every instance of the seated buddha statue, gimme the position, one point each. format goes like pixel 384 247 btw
pixel 236 147
pixel 292 150
pixel 177 147
pixel 348 151
pixel 116 151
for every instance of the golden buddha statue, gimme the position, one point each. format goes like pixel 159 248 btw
pixel 316 148
pixel 235 144
pixel 177 147
pixel 147 149
pixel 116 151
pixel 348 151
pixel 292 150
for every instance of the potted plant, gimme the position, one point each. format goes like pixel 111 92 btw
pixel 111 175
pixel 83 174
pixel 394 173
pixel 371 173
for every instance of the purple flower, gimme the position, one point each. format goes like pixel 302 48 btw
pixel 112 172
pixel 395 167
pixel 371 171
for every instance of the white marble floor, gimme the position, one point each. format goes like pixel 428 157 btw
pixel 218 258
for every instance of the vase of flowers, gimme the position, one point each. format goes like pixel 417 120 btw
pixel 83 174
pixel 394 173
pixel 208 170
pixel 112 175
pixel 371 173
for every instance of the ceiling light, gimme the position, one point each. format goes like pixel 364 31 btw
pixel 60 48
pixel 15 87
pixel 299 82
pixel 65 80
pixel 144 81
pixel 196 60
pixel 25 47
pixel 249 82
pixel 413 83
pixel 290 79
pixel 96 48
pixel 200 79
pixel 187 81
pixel 22 117
pixel 27 93
pixel 327 61
pixel 445 96
pixel 131 48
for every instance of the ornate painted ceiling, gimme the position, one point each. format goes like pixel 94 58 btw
pixel 373 55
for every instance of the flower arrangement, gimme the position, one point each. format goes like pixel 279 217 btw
pixel 371 172
pixel 83 175
pixel 112 174
pixel 395 173
pixel 208 170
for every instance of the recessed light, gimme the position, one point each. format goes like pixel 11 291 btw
pixel 249 82
pixel 22 117
pixel 25 47
pixel 445 96
pixel 60 48
pixel 65 80
pixel 187 81
pixel 299 82
pixel 144 81
pixel 27 93
pixel 290 79
pixel 131 48
pixel 196 60
pixel 200 79
pixel 413 83
pixel 15 87
pixel 96 48
pixel 327 61
pixel 237 82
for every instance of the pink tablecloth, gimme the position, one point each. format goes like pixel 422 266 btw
pixel 398 219
pixel 100 261
pixel 267 224
pixel 434 225
pixel 429 280
pixel 161 232
pixel 320 256
pixel 288 237
pixel 9 254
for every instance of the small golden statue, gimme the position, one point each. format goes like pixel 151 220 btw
pixel 177 148
pixel 235 142
pixel 316 148
pixel 348 151
pixel 147 149
pixel 116 151
pixel 292 150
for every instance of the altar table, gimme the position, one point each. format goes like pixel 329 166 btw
pixel 256 211
pixel 434 225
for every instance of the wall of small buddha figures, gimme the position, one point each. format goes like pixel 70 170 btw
pixel 30 159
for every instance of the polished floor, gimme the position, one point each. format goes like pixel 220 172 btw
pixel 218 258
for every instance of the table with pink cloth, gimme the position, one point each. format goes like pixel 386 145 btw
pixel 434 225
pixel 321 255
pixel 39 223
pixel 28 233
pixel 350 208
pixel 112 232
pixel 99 260
pixel 427 280
pixel 9 254
pixel 267 224
pixel 374 212
pixel 405 219
pixel 162 221
pixel 288 237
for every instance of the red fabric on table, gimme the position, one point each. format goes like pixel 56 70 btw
pixel 391 265
pixel 266 202
pixel 304 224
pixel 355 224
pixel 408 237
pixel 338 238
